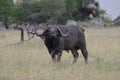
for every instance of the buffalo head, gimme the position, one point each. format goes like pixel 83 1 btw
pixel 52 32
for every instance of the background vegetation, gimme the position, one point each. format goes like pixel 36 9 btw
pixel 5 11
pixel 56 11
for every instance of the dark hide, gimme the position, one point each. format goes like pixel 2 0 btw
pixel 69 37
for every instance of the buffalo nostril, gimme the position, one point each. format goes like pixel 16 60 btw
pixel 53 35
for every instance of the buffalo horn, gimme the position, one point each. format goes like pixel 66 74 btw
pixel 63 34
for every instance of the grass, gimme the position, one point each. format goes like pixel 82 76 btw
pixel 31 60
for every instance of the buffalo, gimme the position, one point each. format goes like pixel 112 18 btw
pixel 64 37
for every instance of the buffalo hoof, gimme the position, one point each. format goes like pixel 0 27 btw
pixel 86 61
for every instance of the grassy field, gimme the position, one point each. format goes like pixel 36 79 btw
pixel 31 61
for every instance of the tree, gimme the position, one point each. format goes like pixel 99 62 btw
pixel 71 7
pixel 53 9
pixel 22 12
pixel 5 11
pixel 18 15
pixel 33 6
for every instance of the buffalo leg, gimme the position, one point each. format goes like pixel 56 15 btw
pixel 85 54
pixel 75 55
pixel 53 56
pixel 59 56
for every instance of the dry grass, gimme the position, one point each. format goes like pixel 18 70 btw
pixel 31 61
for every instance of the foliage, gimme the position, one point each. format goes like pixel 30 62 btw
pixel 54 11
pixel 52 8
pixel 5 8
pixel 100 12
pixel 79 4
pixel 63 19
pixel 32 6
pixel 107 21
pixel 5 11
pixel 22 12
pixel 71 7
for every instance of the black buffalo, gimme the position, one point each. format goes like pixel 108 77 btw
pixel 69 37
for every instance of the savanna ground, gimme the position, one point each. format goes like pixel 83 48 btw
pixel 31 61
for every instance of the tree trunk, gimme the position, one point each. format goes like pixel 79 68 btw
pixel 22 35
pixel 6 25
pixel 6 22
